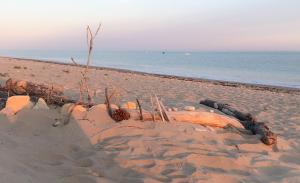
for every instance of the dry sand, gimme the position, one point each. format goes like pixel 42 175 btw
pixel 99 150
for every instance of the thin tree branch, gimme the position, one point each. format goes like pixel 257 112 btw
pixel 72 59
pixel 140 108
pixel 159 108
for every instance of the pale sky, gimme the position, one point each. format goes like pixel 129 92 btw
pixel 196 25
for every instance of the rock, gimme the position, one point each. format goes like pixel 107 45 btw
pixel 57 123
pixel 7 112
pixel 174 109
pixel 129 105
pixel 67 108
pixel 189 108
pixel 41 104
pixel 30 105
pixel 201 129
pixel 16 103
pixel 79 108
pixel 103 106
pixel 212 111
pixel 169 109
pixel 77 111
pixel 18 87
pixel 100 106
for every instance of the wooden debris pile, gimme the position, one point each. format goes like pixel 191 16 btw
pixel 51 94
pixel 55 96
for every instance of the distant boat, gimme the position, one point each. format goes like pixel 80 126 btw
pixel 187 53
pixel 163 52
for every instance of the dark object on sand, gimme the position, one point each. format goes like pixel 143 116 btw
pixel 17 67
pixel 118 114
pixel 3 97
pixel 247 120
pixel 4 74
pixel 2 103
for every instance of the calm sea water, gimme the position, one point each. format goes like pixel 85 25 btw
pixel 269 68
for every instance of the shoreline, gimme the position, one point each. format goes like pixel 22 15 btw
pixel 278 89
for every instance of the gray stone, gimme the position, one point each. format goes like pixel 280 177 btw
pixel 41 104
pixel 189 108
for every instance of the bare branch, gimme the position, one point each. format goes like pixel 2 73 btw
pixel 85 92
pixel 87 36
pixel 164 111
pixel 98 29
pixel 72 59
pixel 141 110
pixel 159 108
pixel 152 107
pixel 110 111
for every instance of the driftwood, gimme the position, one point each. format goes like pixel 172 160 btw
pixel 196 117
pixel 159 108
pixel 164 111
pixel 247 120
pixel 152 108
pixel 107 102
pixel 55 96
pixel 51 94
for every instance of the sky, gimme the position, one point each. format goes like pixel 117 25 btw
pixel 190 25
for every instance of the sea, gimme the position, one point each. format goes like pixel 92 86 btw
pixel 266 68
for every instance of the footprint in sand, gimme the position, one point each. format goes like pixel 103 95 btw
pixel 52 159
pixel 77 153
pixel 290 158
pixel 84 163
pixel 188 169
pixel 143 163
pixel 276 173
pixel 182 171
pixel 168 171
pixel 78 179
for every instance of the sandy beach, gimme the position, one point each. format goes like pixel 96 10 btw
pixel 100 150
